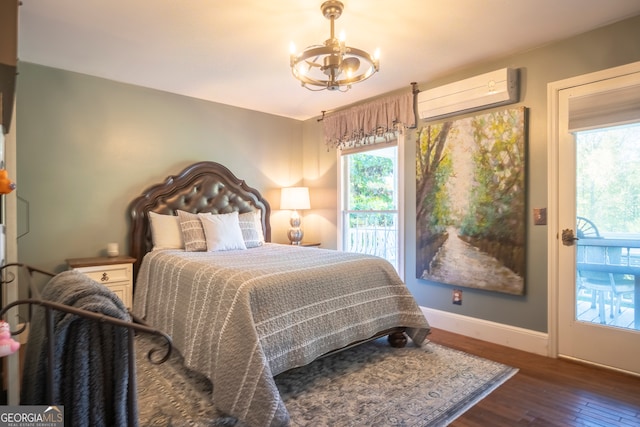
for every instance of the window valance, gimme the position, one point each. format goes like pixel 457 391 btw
pixel 376 121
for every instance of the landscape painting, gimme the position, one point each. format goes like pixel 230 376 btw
pixel 470 201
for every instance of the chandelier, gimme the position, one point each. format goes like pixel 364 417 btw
pixel 333 65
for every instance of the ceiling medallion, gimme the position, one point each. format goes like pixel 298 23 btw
pixel 332 65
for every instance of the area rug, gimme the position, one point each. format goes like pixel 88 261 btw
pixel 369 385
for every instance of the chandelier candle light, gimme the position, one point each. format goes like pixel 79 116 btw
pixel 295 198
pixel 333 65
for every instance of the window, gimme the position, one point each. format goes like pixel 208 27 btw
pixel 608 224
pixel 371 215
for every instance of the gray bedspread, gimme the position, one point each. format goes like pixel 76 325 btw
pixel 241 317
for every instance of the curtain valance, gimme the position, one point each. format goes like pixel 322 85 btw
pixel 369 123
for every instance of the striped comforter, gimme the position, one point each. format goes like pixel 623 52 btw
pixel 241 317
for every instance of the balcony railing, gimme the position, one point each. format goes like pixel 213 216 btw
pixel 372 233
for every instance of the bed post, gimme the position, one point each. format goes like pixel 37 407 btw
pixel 397 339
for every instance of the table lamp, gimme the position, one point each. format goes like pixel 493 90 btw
pixel 295 198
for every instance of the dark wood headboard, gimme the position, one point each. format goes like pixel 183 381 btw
pixel 201 187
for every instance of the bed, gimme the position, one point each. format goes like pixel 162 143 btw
pixel 242 314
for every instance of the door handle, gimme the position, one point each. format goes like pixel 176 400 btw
pixel 568 238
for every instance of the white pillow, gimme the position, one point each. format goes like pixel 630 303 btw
pixel 251 226
pixel 222 232
pixel 165 231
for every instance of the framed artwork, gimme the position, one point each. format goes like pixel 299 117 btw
pixel 470 201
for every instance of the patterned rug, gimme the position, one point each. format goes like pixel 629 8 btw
pixel 369 385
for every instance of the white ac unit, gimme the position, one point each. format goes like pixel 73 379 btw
pixel 487 90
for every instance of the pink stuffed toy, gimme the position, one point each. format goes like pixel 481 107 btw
pixel 7 344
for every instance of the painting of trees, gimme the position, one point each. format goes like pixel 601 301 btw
pixel 433 168
pixel 470 201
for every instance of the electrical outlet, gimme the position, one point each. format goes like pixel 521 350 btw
pixel 457 296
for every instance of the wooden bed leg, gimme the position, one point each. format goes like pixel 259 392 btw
pixel 397 339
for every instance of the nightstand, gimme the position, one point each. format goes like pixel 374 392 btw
pixel 116 273
pixel 309 244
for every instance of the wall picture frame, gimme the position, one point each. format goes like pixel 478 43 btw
pixel 471 203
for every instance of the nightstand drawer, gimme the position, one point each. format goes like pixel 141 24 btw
pixel 122 291
pixel 108 273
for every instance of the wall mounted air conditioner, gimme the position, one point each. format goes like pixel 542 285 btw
pixel 487 90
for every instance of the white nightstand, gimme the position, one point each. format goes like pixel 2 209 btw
pixel 116 273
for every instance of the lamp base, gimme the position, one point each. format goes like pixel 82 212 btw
pixel 295 233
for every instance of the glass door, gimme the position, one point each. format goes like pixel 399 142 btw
pixel 599 215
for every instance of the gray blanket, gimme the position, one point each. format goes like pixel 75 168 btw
pixel 241 317
pixel 91 369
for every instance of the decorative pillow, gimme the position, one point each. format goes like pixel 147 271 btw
pixel 165 231
pixel 251 227
pixel 192 231
pixel 222 232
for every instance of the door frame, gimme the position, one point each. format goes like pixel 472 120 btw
pixel 553 173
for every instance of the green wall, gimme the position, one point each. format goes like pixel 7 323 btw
pixel 603 48
pixel 86 146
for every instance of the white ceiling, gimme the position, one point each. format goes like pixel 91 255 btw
pixel 237 52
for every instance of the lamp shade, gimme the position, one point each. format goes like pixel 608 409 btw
pixel 295 198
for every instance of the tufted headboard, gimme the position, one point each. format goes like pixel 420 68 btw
pixel 201 187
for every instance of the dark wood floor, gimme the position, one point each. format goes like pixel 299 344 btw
pixel 548 392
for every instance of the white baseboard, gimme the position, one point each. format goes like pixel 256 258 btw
pixel 497 333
